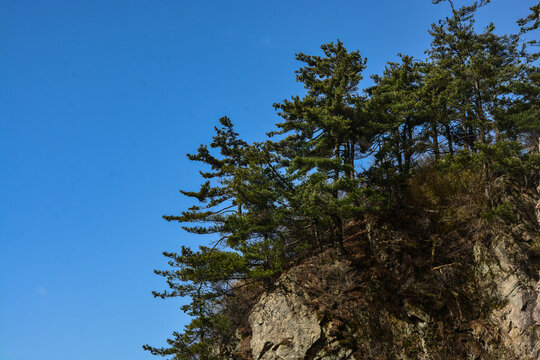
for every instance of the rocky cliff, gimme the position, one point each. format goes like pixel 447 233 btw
pixel 387 298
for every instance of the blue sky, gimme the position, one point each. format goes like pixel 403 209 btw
pixel 99 103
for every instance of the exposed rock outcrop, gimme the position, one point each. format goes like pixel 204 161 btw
pixel 517 283
pixel 388 299
pixel 310 313
pixel 283 326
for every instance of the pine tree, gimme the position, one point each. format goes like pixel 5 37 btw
pixel 523 116
pixel 474 102
pixel 205 277
pixel 243 200
pixel 480 67
pixel 485 87
pixel 325 126
pixel 325 135
pixel 397 112
pixel 243 195
pixel 440 115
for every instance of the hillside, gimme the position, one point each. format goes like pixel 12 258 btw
pixel 387 300
pixel 400 221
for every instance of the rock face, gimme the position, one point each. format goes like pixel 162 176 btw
pixel 387 299
pixel 283 327
pixel 288 321
pixel 505 267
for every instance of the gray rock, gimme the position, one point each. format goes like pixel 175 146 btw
pixel 285 327
pixel 282 326
pixel 519 316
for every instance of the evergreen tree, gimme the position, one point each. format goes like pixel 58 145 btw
pixel 475 101
pixel 395 105
pixel 205 277
pixel 480 67
pixel 326 134
pixel 440 115
pixel 488 90
pixel 325 127
pixel 523 116
pixel 243 200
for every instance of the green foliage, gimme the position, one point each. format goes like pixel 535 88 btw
pixel 325 128
pixel 507 157
pixel 204 277
pixel 434 135
pixel 327 131
pixel 504 212
pixel 396 119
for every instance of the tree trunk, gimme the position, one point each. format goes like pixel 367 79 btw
pixel 336 171
pixel 352 160
pixel 449 138
pixel 435 136
pixel 397 151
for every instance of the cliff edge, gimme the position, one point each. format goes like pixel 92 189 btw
pixel 388 297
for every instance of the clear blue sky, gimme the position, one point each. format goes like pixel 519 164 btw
pixel 100 101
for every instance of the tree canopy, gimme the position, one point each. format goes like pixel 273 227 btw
pixel 341 153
